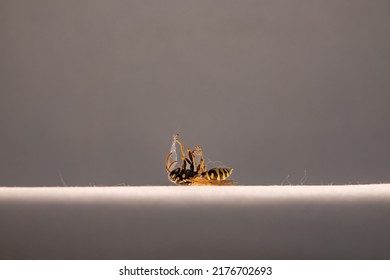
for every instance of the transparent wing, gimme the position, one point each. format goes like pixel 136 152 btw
pixel 173 157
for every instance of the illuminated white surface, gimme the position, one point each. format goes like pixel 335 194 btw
pixel 241 222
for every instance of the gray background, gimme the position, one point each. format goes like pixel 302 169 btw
pixel 91 91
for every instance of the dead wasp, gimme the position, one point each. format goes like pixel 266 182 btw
pixel 196 174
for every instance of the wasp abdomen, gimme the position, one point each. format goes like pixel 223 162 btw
pixel 217 173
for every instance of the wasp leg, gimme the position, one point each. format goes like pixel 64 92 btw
pixel 202 166
pixel 191 160
pixel 183 155
pixel 166 162
pixel 193 156
pixel 167 165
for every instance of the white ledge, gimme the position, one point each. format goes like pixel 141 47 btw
pixel 240 222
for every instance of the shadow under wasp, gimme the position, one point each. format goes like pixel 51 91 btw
pixel 197 173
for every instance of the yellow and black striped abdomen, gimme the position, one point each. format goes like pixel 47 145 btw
pixel 217 173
